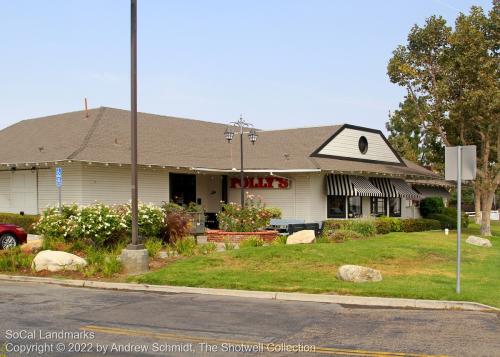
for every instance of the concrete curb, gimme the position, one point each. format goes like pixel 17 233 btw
pixel 323 298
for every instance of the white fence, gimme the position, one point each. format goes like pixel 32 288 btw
pixel 494 215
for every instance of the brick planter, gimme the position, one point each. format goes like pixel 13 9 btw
pixel 237 237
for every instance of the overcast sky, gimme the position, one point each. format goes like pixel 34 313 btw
pixel 280 63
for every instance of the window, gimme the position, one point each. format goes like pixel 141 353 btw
pixel 378 206
pixel 395 207
pixel 336 207
pixel 363 145
pixel 355 207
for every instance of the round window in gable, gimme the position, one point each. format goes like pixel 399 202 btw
pixel 363 145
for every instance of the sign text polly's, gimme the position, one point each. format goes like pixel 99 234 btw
pixel 270 182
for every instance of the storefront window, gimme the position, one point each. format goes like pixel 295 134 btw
pixel 395 207
pixel 336 207
pixel 378 206
pixel 354 206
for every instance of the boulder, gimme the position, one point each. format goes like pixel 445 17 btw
pixel 481 242
pixel 301 237
pixel 53 260
pixel 358 274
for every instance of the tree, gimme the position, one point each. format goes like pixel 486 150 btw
pixel 452 79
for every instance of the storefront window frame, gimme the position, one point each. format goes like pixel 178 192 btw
pixel 349 207
pixel 377 213
pixel 391 213
pixel 343 206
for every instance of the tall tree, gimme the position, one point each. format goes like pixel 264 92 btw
pixel 452 78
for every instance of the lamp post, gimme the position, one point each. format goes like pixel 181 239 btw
pixel 133 112
pixel 252 136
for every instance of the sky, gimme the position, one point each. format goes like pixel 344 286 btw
pixel 279 63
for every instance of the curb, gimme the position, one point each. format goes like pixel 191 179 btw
pixel 269 295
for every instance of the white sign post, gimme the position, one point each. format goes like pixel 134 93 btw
pixel 59 184
pixel 460 164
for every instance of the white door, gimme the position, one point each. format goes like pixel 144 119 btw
pixel 23 192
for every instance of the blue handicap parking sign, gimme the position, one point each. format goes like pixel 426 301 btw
pixel 58 176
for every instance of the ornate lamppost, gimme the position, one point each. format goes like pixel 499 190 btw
pixel 241 125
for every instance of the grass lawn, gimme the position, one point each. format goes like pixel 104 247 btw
pixel 413 265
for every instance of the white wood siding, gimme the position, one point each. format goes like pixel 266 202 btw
pixel 305 199
pixel 111 184
pixel 345 144
pixel 71 188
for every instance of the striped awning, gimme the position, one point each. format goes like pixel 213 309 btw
pixel 405 190
pixel 385 186
pixel 364 187
pixel 339 185
pixel 432 191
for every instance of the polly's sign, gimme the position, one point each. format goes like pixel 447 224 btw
pixel 269 182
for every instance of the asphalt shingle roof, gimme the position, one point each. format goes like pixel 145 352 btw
pixel 175 142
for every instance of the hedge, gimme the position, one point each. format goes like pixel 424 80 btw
pixel 382 225
pixel 25 221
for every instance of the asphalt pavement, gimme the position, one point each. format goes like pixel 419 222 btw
pixel 49 320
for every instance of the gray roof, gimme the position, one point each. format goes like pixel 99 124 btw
pixel 175 142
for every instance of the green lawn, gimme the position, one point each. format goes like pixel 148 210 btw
pixel 413 265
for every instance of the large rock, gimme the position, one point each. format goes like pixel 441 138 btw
pixel 482 242
pixel 358 274
pixel 53 260
pixel 301 237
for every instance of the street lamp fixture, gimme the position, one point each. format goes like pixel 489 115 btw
pixel 252 136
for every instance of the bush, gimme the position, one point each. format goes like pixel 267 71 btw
pixel 177 225
pixel 27 221
pixel 228 245
pixel 252 217
pixel 365 228
pixel 149 219
pixel 280 240
pixel 448 218
pixel 252 242
pixel 57 224
pixel 153 245
pixel 14 259
pixel 343 235
pixel 274 212
pixel 205 249
pixel 99 223
pixel 101 261
pixel 185 246
pixel 384 225
pixel 431 205
pixel 419 225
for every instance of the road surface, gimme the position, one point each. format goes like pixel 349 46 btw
pixel 48 320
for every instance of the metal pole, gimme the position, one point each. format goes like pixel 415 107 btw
pixel 59 189
pixel 459 212
pixel 133 100
pixel 242 174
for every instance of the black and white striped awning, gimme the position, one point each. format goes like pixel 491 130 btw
pixel 345 185
pixel 432 191
pixel 339 185
pixel 395 188
pixel 364 187
pixel 405 190
pixel 385 186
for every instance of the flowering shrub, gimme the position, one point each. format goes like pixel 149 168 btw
pixel 252 217
pixel 99 223
pixel 55 224
pixel 149 218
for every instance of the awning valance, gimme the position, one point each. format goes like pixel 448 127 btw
pixel 364 187
pixel 339 185
pixel 432 191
